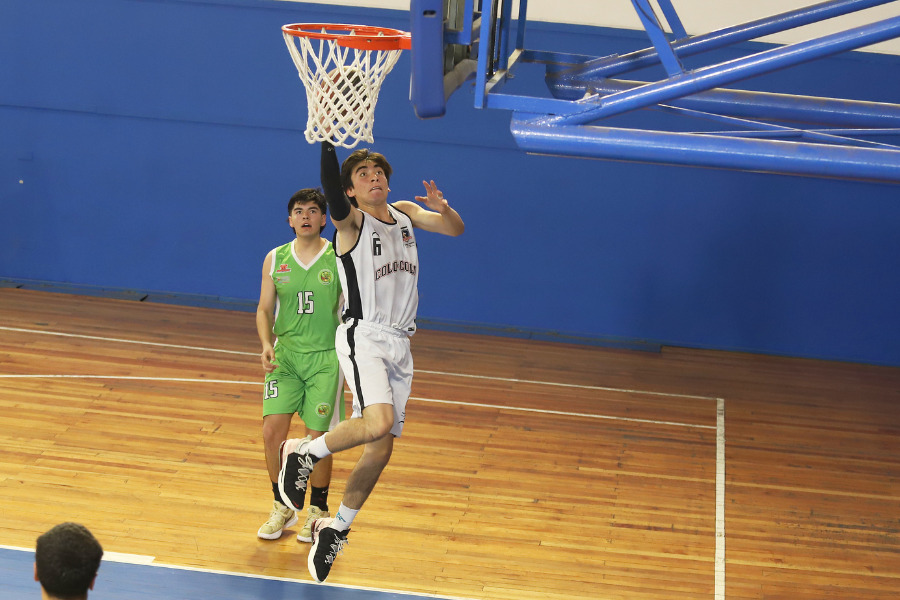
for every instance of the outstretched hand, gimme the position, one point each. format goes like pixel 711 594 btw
pixel 434 198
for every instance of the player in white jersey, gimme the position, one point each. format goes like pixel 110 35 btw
pixel 382 272
pixel 378 264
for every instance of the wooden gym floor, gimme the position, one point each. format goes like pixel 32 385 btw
pixel 526 470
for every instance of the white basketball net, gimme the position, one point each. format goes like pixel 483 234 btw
pixel 342 86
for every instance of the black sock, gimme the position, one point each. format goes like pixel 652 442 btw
pixel 277 493
pixel 318 497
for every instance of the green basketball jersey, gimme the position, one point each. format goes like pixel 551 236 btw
pixel 306 313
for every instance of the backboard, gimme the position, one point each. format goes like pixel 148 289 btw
pixel 441 52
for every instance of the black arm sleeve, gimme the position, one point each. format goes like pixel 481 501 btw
pixel 331 184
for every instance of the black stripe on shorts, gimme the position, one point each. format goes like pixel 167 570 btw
pixel 351 342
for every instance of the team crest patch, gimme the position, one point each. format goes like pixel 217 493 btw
pixel 407 237
pixel 283 269
pixel 326 277
pixel 323 409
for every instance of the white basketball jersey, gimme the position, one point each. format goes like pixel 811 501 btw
pixel 380 274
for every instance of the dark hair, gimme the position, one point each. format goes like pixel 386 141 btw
pixel 360 156
pixel 67 558
pixel 308 195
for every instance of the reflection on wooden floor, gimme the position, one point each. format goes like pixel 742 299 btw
pixel 526 469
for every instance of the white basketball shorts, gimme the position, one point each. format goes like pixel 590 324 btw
pixel 378 366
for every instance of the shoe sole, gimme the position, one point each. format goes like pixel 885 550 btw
pixel 312 553
pixel 316 538
pixel 274 536
pixel 281 466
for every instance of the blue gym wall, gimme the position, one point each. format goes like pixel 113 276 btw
pixel 153 144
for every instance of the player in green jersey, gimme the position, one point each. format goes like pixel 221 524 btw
pixel 296 318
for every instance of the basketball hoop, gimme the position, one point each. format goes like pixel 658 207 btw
pixel 342 68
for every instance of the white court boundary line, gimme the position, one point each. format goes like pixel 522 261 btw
pixel 719 589
pixel 131 378
pixel 149 561
pixel 570 385
pixel 720 500
pixel 124 341
pixel 417 398
pixel 131 559
pixel 464 375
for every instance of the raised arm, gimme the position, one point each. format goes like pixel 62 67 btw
pixel 330 175
pixel 347 218
pixel 441 218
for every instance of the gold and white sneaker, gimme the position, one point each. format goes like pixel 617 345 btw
pixel 280 517
pixel 313 513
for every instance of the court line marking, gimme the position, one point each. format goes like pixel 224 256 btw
pixel 124 341
pixel 121 557
pixel 719 588
pixel 130 378
pixel 571 385
pixel 417 398
pixel 486 377
pixel 148 561
pixel 568 414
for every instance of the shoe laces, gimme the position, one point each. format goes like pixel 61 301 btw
pixel 305 468
pixel 276 518
pixel 337 548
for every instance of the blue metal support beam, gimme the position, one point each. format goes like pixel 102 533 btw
pixel 764 131
pixel 651 24
pixel 618 64
pixel 736 70
pixel 761 105
pixel 523 22
pixel 485 50
pixel 672 18
pixel 503 54
pixel 768 156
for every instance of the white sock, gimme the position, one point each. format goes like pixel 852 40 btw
pixel 344 517
pixel 319 448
